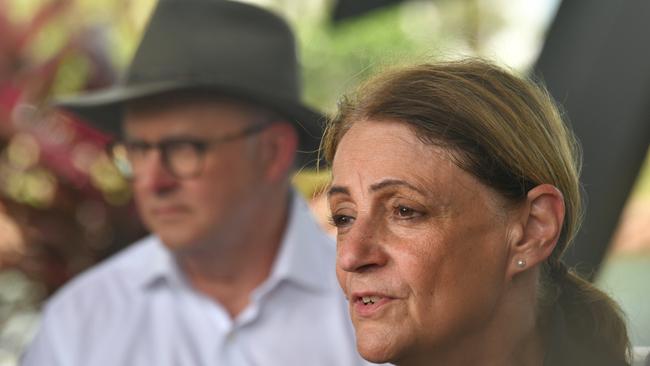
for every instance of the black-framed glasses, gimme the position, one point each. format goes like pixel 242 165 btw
pixel 182 157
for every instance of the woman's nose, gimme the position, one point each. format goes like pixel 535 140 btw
pixel 362 249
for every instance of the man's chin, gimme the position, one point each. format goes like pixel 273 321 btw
pixel 175 239
pixel 175 245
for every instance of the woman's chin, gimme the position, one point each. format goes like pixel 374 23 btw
pixel 376 350
pixel 375 356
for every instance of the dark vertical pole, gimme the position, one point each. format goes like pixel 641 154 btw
pixel 596 62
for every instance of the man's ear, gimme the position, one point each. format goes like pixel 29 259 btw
pixel 541 226
pixel 280 150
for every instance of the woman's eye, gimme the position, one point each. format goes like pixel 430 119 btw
pixel 341 220
pixel 405 212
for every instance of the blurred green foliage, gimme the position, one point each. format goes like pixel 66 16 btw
pixel 337 56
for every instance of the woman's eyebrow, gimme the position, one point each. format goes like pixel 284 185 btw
pixel 335 189
pixel 393 182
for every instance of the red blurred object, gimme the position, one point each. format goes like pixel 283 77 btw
pixel 62 139
pixel 10 95
pixel 79 227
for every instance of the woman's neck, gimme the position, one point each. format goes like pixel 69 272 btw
pixel 511 337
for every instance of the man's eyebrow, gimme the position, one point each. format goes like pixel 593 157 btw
pixel 393 182
pixel 183 136
pixel 337 190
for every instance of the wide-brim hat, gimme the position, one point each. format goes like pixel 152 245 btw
pixel 231 48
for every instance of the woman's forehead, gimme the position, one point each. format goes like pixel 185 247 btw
pixel 387 143
pixel 389 150
pixel 373 152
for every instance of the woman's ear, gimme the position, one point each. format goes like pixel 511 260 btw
pixel 542 219
pixel 280 150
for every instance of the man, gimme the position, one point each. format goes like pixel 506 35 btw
pixel 236 271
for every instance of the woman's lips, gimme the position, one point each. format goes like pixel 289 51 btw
pixel 367 305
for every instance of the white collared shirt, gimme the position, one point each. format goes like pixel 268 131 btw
pixel 136 309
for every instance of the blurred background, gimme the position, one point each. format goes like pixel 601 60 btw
pixel 64 206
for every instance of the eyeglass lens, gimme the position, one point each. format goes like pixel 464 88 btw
pixel 183 158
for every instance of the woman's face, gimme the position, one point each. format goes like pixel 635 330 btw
pixel 421 244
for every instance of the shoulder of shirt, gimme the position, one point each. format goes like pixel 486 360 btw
pixel 112 278
pixel 116 280
pixel 307 227
pixel 307 253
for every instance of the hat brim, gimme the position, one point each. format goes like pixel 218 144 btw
pixel 104 110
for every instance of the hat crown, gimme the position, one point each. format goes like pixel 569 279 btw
pixel 228 43
pixel 228 47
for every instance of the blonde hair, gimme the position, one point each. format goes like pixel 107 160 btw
pixel 507 132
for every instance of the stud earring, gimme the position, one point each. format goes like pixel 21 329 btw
pixel 521 263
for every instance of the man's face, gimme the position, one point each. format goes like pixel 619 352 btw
pixel 203 209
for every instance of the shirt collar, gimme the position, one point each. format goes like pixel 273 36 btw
pixel 306 255
pixel 157 265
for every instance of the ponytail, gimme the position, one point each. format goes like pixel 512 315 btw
pixel 591 315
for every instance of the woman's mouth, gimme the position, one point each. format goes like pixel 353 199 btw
pixel 370 299
pixel 369 305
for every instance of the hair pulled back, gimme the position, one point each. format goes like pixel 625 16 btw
pixel 508 132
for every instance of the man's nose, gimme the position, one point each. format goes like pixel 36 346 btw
pixel 363 248
pixel 153 174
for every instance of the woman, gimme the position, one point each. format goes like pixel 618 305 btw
pixel 454 193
